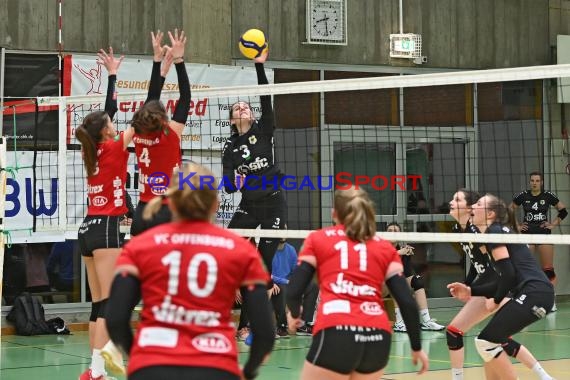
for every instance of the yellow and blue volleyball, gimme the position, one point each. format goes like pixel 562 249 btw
pixel 252 43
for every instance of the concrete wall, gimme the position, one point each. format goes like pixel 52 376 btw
pixel 456 33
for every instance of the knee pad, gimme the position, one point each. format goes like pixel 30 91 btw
pixel 512 348
pixel 417 282
pixel 102 308
pixel 549 272
pixel 94 311
pixel 454 338
pixel 488 350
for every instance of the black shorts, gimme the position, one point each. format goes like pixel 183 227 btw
pixel 140 225
pixel 181 372
pixel 99 232
pixel 536 229
pixel 341 349
pixel 525 307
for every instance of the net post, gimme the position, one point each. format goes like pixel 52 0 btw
pixel 3 165
pixel 62 163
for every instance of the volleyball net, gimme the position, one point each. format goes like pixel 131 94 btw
pixel 410 140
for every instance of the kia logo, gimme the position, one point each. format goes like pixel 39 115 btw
pixel 212 342
pixel 371 308
pixel 99 201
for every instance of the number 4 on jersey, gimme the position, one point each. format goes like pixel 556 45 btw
pixel 144 158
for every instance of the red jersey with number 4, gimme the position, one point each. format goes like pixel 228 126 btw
pixel 189 273
pixel 106 188
pixel 351 275
pixel 158 154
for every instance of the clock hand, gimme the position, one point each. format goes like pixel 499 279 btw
pixel 321 20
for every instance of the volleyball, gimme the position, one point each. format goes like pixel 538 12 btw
pixel 252 43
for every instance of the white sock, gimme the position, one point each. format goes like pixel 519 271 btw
pixel 457 374
pixel 97 364
pixel 540 372
pixel 399 318
pixel 425 315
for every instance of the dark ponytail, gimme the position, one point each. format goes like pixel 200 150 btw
pixel 89 134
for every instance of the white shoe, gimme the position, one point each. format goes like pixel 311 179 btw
pixel 399 327
pixel 554 308
pixel 431 325
pixel 113 359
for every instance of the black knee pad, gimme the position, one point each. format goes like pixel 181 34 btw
pixel 512 348
pixel 102 308
pixel 417 282
pixel 95 306
pixel 454 338
pixel 549 272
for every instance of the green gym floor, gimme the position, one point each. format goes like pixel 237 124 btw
pixel 65 357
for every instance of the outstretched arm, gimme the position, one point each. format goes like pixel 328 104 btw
pixel 267 116
pixel 112 65
pixel 180 114
pixel 156 77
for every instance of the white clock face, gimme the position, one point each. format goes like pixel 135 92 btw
pixel 326 21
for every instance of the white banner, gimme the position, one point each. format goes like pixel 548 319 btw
pixel 208 122
pixel 19 195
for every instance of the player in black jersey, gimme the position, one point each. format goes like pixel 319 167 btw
pixel 536 202
pixel 416 282
pixel 519 274
pixel 248 166
pixel 482 279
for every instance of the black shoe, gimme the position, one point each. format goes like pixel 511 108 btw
pixel 305 330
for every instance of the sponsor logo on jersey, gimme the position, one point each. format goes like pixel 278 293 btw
pixel 252 139
pixel 94 189
pixel 342 286
pixel 212 342
pixel 529 217
pixel 371 308
pixel 99 201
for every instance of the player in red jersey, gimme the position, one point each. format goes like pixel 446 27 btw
pixel 105 157
pixel 157 139
pixel 352 333
pixel 187 272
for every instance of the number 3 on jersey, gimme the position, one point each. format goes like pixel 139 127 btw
pixel 342 246
pixel 144 158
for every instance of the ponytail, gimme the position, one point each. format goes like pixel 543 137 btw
pixel 503 214
pixel 355 211
pixel 89 134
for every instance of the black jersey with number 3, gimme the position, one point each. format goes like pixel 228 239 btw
pixel 536 209
pixel 526 267
pixel 251 154
pixel 480 270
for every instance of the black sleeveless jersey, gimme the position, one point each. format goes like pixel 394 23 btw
pixel 479 260
pixel 526 268
pixel 536 209
pixel 251 154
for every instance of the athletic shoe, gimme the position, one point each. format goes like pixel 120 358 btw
pixel 242 334
pixel 431 325
pixel 281 332
pixel 87 376
pixel 305 330
pixel 399 327
pixel 554 308
pixel 113 359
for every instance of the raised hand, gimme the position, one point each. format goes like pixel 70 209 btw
pixel 109 61
pixel 262 57
pixel 157 47
pixel 178 41
pixel 167 62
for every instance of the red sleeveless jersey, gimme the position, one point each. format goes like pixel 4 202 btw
pixel 106 188
pixel 351 275
pixel 158 154
pixel 189 273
